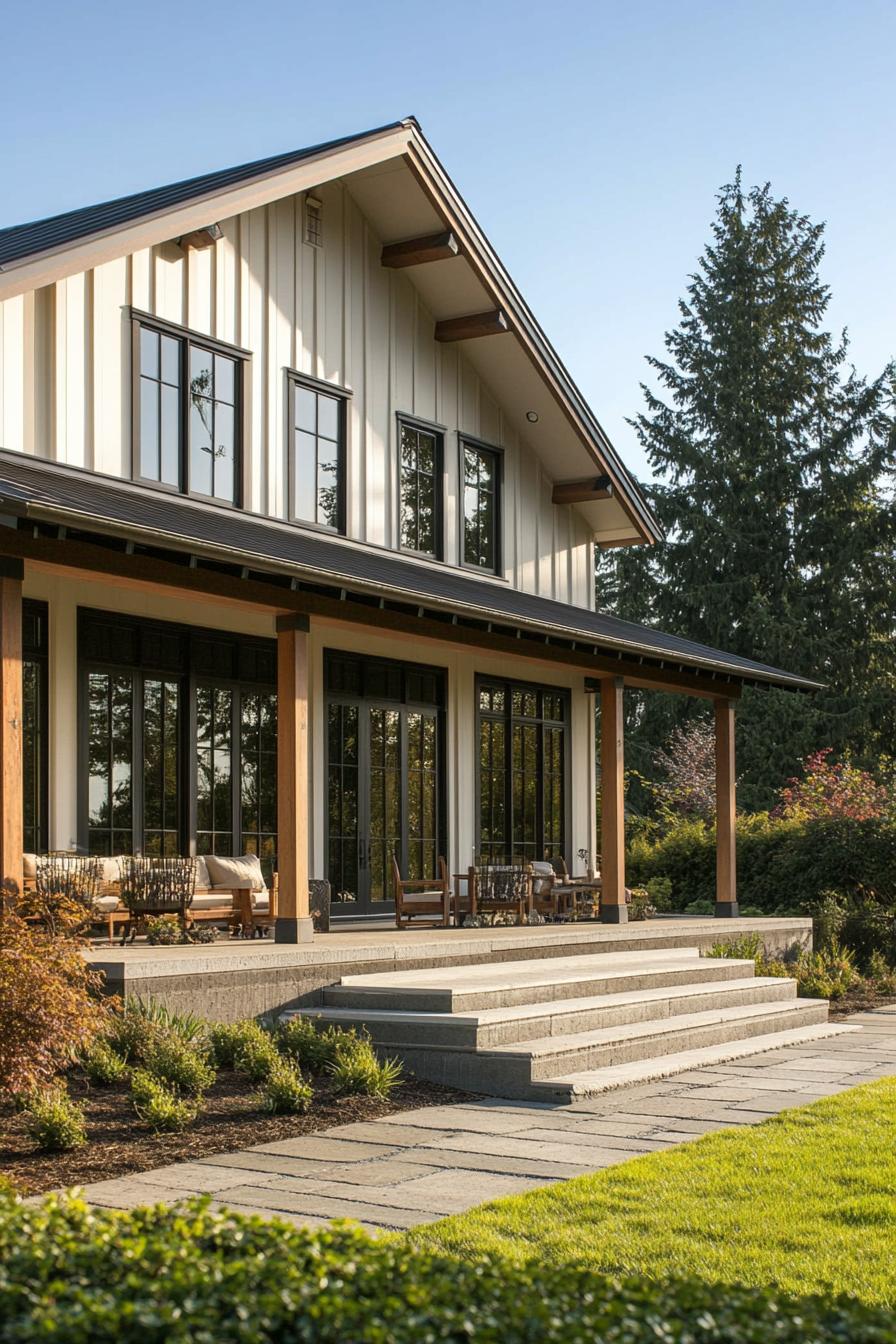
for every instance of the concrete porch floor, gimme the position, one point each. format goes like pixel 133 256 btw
pixel 232 979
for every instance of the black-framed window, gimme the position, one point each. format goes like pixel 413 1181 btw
pixel 35 725
pixel 178 739
pixel 188 397
pixel 523 737
pixel 482 506
pixel 317 453
pixel 421 452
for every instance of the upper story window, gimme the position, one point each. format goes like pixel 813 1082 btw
pixel 317 454
pixel 420 508
pixel 187 412
pixel 482 506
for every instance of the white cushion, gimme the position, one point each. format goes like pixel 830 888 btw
pixel 408 897
pixel 203 881
pixel 243 874
pixel 211 900
pixel 110 870
pixel 106 903
pixel 29 865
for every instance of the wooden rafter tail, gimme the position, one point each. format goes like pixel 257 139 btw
pixel 477 324
pixel 580 492
pixel 417 251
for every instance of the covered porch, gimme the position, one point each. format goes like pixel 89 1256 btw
pixel 85 542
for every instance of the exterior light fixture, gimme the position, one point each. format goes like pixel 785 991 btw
pixel 532 417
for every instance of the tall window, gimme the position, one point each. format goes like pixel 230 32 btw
pixel 482 482
pixel 420 452
pixel 523 732
pixel 179 734
pixel 35 755
pixel 317 465
pixel 187 409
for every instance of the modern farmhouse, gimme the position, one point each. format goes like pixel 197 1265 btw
pixel 299 513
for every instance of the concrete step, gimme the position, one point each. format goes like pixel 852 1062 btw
pixel 493 1027
pixel 514 1070
pixel 459 989
pixel 591 1083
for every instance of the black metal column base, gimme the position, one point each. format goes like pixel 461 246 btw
pixel 727 910
pixel 290 930
pixel 613 914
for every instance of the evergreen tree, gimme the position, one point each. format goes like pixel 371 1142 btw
pixel 775 466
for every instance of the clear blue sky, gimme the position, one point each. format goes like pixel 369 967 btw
pixel 589 138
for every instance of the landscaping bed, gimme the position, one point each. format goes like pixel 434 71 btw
pixel 119 1142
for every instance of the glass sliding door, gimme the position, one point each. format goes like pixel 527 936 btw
pixel 35 725
pixel 523 755
pixel 110 763
pixel 384 785
pixel 161 761
pixel 214 769
pixel 258 776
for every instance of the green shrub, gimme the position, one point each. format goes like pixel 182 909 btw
pixel 356 1069
pixel 700 908
pixel 881 974
pixel 639 904
pixel 745 947
pixel 78 1275
pixel 285 1091
pixel 178 1066
pixel 752 912
pixel 659 889
pixel 300 1040
pixel 55 1122
pixel 163 930
pixel 159 1106
pixel 827 974
pixel 257 1054
pixel 101 1065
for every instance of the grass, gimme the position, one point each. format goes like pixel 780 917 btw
pixel 804 1203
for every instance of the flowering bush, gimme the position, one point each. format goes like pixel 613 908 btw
pixel 688 762
pixel 48 1010
pixel 829 788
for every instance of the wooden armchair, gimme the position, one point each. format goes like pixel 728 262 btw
pixel 500 888
pixel 544 880
pixel 428 897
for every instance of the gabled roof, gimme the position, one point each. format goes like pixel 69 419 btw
pixel 46 250
pixel 94 503
pixel 29 240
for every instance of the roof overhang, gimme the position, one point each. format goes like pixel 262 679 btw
pixel 71 499
pixel 405 192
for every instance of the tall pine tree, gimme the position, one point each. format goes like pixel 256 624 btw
pixel 775 470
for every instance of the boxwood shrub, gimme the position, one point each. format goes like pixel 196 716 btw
pixel 72 1275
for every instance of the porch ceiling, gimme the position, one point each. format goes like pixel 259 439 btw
pixel 93 504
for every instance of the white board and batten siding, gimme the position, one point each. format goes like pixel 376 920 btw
pixel 332 312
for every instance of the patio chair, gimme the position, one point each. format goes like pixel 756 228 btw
pixel 544 882
pixel 64 890
pixel 427 897
pixel 157 885
pixel 500 888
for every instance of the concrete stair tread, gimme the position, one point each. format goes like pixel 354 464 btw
pixel 486 1017
pixel 590 1082
pixel 664 1026
pixel 535 971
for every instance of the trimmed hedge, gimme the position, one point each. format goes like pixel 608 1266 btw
pixel 783 866
pixel 72 1275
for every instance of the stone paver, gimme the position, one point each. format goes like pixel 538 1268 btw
pixel 418 1166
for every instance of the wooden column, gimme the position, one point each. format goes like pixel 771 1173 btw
pixel 726 857
pixel 293 922
pixel 11 823
pixel 613 909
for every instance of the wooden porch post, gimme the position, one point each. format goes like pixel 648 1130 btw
pixel 12 572
pixel 613 909
pixel 726 859
pixel 293 922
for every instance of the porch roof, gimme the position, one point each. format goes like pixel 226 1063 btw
pixel 92 503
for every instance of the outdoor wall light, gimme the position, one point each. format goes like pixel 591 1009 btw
pixel 532 417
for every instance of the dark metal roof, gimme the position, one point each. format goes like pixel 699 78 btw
pixel 25 240
pixel 91 502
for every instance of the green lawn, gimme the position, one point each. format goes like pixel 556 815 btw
pixel 805 1203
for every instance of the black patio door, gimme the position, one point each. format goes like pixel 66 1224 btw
pixel 384 780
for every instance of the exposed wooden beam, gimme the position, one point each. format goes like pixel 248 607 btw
pixel 726 810
pixel 579 492
pixel 416 251
pixel 143 571
pixel 200 239
pixel 11 804
pixel 613 909
pixel 293 922
pixel 467 328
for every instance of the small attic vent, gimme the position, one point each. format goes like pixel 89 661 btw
pixel 314 227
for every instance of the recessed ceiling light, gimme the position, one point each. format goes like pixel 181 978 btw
pixel 532 417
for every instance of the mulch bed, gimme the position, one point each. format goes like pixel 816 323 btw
pixel 119 1142
pixel 861 999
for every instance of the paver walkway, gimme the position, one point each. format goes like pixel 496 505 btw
pixel 417 1166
